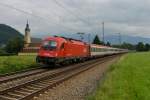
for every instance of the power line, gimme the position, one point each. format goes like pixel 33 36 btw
pixel 69 11
pixel 31 14
pixel 20 10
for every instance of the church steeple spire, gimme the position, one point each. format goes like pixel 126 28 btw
pixel 27 27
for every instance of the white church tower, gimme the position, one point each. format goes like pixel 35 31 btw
pixel 27 37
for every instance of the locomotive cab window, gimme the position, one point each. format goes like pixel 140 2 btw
pixel 49 45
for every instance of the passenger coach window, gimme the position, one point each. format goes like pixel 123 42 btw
pixel 92 49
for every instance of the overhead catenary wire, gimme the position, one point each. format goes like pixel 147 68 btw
pixel 69 11
pixel 34 15
pixel 73 14
pixel 103 38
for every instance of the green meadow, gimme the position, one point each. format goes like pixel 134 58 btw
pixel 128 79
pixel 10 64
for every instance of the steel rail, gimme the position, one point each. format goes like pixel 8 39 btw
pixel 20 75
pixel 32 88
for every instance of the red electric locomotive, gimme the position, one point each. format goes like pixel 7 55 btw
pixel 59 50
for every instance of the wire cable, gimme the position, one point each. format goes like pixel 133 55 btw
pixel 33 15
pixel 69 11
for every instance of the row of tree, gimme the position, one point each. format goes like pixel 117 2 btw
pixel 138 47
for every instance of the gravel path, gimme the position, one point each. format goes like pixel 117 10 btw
pixel 79 86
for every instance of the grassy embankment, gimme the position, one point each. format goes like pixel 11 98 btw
pixel 128 79
pixel 10 64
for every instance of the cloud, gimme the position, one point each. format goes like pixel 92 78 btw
pixel 72 16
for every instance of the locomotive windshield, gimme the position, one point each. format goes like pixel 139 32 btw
pixel 49 45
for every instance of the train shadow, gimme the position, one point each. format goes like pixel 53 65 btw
pixel 58 66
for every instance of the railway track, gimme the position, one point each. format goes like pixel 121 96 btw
pixel 25 73
pixel 32 88
pixel 22 74
pixel 18 72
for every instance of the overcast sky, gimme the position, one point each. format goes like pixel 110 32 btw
pixel 47 17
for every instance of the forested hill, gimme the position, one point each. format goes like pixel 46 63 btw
pixel 7 32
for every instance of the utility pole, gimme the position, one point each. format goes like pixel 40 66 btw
pixel 119 39
pixel 89 38
pixel 103 31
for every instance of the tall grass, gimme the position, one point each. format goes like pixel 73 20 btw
pixel 16 63
pixel 128 79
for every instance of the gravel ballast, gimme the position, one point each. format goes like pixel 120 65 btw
pixel 78 87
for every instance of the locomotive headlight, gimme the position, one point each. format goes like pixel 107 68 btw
pixel 46 54
pixel 56 54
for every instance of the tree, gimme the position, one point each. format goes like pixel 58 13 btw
pixel 128 46
pixel 14 45
pixel 108 44
pixel 2 51
pixel 147 47
pixel 97 40
pixel 140 46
